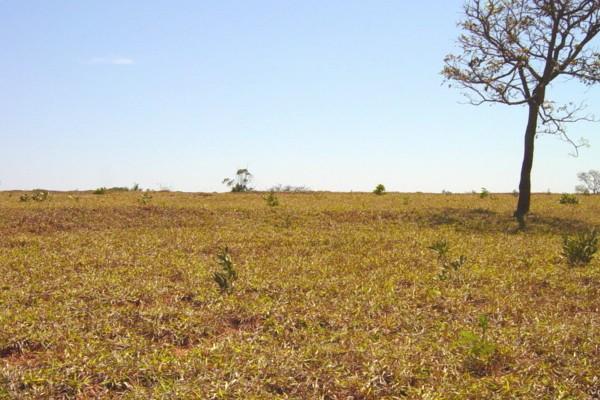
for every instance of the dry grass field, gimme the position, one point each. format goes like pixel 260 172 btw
pixel 337 296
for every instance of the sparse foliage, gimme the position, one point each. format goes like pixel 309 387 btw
pixel 484 193
pixel 591 182
pixel 227 275
pixel 100 190
pixel 240 182
pixel 289 189
pixel 510 53
pixel 580 249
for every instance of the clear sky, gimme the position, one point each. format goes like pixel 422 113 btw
pixel 334 95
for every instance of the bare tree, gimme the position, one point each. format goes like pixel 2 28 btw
pixel 591 182
pixel 512 50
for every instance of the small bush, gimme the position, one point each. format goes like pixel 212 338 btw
pixel 484 193
pixel 441 247
pixel 24 198
pixel 39 195
pixel 271 199
pixel 480 353
pixel 145 198
pixel 447 266
pixel 567 198
pixel 100 190
pixel 579 250
pixel 379 189
pixel 225 277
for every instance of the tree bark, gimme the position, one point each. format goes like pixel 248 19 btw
pixel 525 183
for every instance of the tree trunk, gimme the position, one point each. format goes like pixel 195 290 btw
pixel 525 184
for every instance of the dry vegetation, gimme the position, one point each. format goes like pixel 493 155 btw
pixel 337 296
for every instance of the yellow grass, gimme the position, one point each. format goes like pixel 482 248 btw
pixel 338 296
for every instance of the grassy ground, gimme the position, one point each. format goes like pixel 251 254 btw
pixel 338 296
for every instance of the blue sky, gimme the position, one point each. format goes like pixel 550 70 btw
pixel 336 95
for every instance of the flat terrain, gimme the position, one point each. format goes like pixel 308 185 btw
pixel 338 296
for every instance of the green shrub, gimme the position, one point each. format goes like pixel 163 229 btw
pixel 100 190
pixel 24 198
pixel 480 353
pixel 379 189
pixel 447 266
pixel 567 198
pixel 225 277
pixel 271 199
pixel 580 249
pixel 484 193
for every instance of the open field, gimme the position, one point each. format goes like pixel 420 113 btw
pixel 338 296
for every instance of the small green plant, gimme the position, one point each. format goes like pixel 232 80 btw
pixel 136 187
pixel 484 193
pixel 568 198
pixel 271 199
pixel 441 247
pixel 379 189
pixel 481 353
pixel 100 190
pixel 145 198
pixel 447 266
pixel 227 275
pixel 24 198
pixel 579 250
